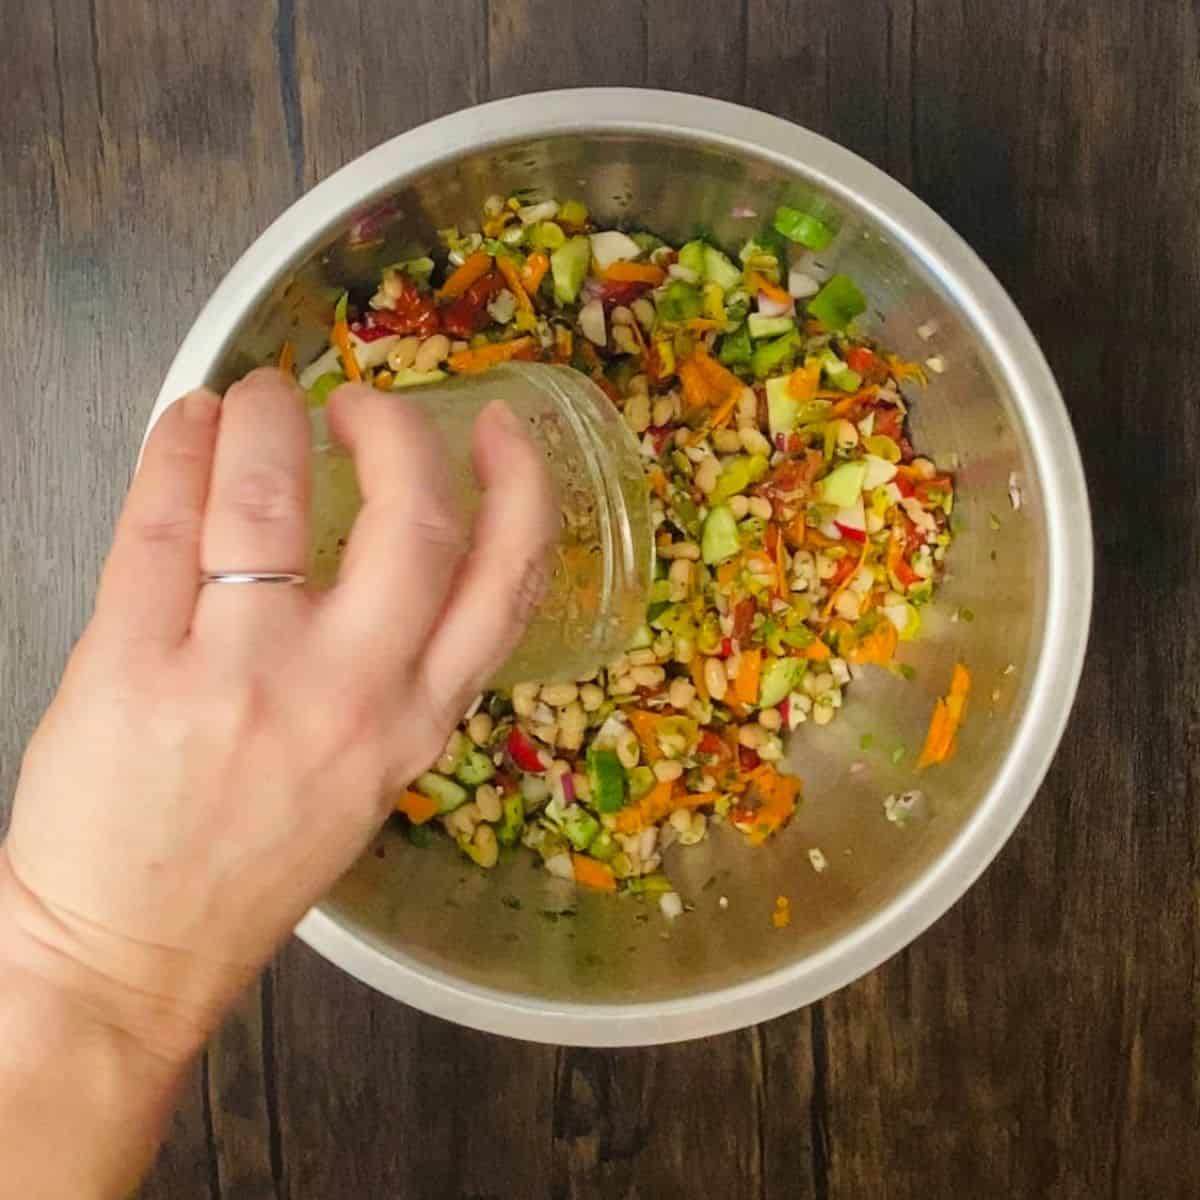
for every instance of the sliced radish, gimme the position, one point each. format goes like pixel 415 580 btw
pixel 897 614
pixel 591 322
pixel 852 521
pixel 611 246
pixel 773 308
pixel 560 866
pixel 830 529
pixel 677 271
pixel 879 472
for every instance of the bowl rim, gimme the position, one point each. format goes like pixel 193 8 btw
pixel 1069 557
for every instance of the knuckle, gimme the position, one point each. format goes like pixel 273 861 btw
pixel 529 590
pixel 168 528
pixel 436 525
pixel 267 496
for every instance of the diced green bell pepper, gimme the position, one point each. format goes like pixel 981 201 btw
pixel 838 302
pixel 607 779
pixel 736 348
pixel 641 782
pixel 799 226
pixel 691 258
pixel 769 357
pixel 407 377
pixel 546 235
pixel 512 819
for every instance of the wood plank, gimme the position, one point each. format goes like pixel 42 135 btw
pixel 379 1100
pixel 697 46
pixel 534 45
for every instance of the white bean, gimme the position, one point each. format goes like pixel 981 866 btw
pixel 760 507
pixel 648 677
pixel 559 695
pixel 591 697
pixel 629 749
pixel 487 800
pixel 666 770
pixel 432 352
pixel 715 679
pixel 479 728
pixel 706 474
pixel 681 694
pixel 403 353
pixel 487 849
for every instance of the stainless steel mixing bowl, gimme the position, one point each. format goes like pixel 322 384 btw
pixel 493 950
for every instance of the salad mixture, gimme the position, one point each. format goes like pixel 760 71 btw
pixel 797 531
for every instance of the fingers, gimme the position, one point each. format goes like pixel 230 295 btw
pixel 408 538
pixel 504 578
pixel 257 513
pixel 148 589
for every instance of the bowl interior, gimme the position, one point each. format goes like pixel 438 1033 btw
pixel 519 932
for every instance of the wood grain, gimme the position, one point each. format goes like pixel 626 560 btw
pixel 1042 1039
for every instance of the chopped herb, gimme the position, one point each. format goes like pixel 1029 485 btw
pixel 512 902
pixel 866 741
pixel 899 753
pixel 993 522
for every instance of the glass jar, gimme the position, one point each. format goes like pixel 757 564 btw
pixel 601 565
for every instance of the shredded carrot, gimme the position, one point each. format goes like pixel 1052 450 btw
pixel 727 572
pixel 947 716
pixel 512 276
pixel 657 479
pixel 467 361
pixel 340 336
pixel 590 872
pixel 778 794
pixel 645 725
pixel 757 282
pixel 534 271
pixel 817 651
pixel 841 587
pixel 796 530
pixel 745 686
pixel 476 266
pixel 696 669
pixel 814 537
pixel 383 381
pixel 706 383
pixel 633 272
pixel 702 325
pixel 781 917
pixel 287 358
pixel 651 808
pixel 804 381
pixel 781 565
pixel 564 342
pixel 417 808
pixel 878 646
pixel 905 370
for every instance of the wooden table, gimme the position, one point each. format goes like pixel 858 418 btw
pixel 1042 1040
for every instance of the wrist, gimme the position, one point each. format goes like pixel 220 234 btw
pixel 142 997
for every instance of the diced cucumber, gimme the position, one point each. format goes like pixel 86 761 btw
pixel 720 270
pixel 719 539
pixel 448 794
pixel 580 826
pixel 768 327
pixel 641 782
pixel 607 779
pixel 512 819
pixel 779 677
pixel 680 302
pixel 799 226
pixel 642 637
pixel 843 485
pixel 475 768
pixel 323 387
pixel 691 258
pixel 603 846
pixel 407 377
pixel 569 267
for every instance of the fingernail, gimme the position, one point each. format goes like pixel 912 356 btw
pixel 200 407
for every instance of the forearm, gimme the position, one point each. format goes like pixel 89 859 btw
pixel 82 1100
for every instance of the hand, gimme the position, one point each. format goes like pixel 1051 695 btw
pixel 218 755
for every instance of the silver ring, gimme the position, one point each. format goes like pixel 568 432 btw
pixel 284 577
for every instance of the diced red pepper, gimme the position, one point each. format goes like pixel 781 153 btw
pixel 659 435
pixel 714 746
pixel 845 568
pixel 468 314
pixel 913 537
pixel 860 359
pixel 726 647
pixel 888 423
pixel 748 759
pixel 905 488
pixel 523 750
pixel 850 533
pixel 613 294
pixel 941 484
